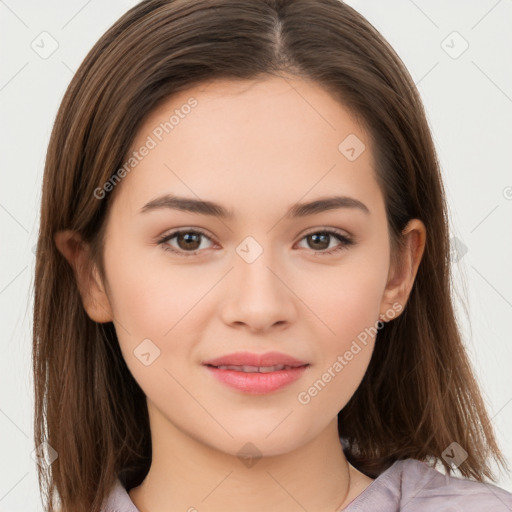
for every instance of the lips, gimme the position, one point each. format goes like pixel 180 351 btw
pixel 255 369
pixel 256 374
pixel 251 359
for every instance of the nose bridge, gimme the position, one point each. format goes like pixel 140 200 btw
pixel 253 266
pixel 258 297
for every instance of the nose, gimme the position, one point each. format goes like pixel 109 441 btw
pixel 258 295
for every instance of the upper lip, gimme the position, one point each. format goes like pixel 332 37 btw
pixel 253 359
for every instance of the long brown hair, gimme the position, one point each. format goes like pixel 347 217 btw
pixel 419 393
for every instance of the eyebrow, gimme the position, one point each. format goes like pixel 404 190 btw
pixel 201 207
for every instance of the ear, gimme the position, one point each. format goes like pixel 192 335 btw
pixel 403 269
pixel 90 286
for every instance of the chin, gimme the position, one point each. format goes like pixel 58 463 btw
pixel 260 442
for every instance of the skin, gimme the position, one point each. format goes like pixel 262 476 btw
pixel 257 148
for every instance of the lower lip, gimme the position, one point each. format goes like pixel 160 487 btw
pixel 257 383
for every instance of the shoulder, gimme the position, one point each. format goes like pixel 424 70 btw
pixel 414 486
pixel 429 489
pixel 118 500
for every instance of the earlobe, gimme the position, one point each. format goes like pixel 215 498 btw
pixel 402 272
pixel 90 286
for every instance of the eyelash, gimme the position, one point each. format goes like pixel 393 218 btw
pixel 345 242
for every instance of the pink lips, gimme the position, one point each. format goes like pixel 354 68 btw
pixel 251 380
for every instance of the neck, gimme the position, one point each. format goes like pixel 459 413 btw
pixel 187 475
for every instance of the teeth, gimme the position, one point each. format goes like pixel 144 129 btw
pixel 255 369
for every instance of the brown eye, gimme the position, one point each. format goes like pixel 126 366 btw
pixel 188 242
pixel 319 241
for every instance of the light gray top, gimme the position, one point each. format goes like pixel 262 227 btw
pixel 408 485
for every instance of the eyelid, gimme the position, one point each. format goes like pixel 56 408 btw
pixel 185 229
pixel 343 237
pixel 346 240
pixel 322 229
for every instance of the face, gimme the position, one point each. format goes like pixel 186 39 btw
pixel 268 276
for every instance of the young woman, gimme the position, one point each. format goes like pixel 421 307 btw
pixel 242 294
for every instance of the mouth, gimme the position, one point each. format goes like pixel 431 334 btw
pixel 256 374
pixel 256 369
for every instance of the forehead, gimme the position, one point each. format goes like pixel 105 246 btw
pixel 280 138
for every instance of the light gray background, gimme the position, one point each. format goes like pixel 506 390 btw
pixel 468 99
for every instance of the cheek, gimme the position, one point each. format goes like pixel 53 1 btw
pixel 149 296
pixel 349 299
pixel 344 351
pixel 349 305
pixel 332 385
pixel 160 310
